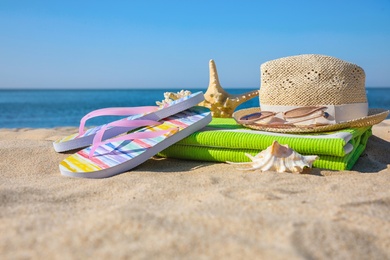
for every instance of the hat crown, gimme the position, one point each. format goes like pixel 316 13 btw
pixel 311 80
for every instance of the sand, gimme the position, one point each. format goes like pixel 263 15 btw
pixel 169 208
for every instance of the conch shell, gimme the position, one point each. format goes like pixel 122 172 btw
pixel 221 103
pixel 171 96
pixel 280 158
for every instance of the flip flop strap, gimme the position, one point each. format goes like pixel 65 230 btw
pixel 115 111
pixel 123 123
pixel 131 136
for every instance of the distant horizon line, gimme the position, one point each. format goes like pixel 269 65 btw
pixel 173 88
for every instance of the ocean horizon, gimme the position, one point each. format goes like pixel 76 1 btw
pixel 47 108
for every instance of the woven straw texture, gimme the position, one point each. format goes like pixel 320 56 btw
pixel 311 80
pixel 375 116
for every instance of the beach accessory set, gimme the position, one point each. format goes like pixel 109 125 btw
pixel 156 128
pixel 314 103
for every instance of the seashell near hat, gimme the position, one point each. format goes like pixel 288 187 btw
pixel 310 93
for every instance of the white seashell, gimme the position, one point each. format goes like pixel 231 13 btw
pixel 171 96
pixel 280 158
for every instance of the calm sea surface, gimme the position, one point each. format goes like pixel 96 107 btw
pixel 51 108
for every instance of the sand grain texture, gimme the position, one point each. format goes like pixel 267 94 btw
pixel 169 208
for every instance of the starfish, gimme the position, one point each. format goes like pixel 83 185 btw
pixel 220 102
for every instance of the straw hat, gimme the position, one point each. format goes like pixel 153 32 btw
pixel 313 80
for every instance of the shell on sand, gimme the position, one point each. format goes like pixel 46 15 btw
pixel 280 158
pixel 221 103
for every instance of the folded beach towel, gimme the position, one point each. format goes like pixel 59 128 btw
pixel 225 140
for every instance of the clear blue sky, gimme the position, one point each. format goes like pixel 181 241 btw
pixel 168 44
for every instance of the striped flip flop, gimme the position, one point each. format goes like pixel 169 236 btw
pixel 114 156
pixel 85 138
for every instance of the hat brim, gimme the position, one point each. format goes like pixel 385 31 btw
pixel 375 116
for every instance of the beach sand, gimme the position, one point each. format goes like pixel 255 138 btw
pixel 171 208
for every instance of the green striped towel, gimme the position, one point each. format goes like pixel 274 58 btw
pixel 225 140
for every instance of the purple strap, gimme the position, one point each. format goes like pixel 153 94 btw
pixel 122 123
pixel 132 136
pixel 115 111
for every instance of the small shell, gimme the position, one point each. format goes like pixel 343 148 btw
pixel 171 96
pixel 280 158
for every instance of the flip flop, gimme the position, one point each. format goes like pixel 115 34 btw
pixel 114 156
pixel 84 137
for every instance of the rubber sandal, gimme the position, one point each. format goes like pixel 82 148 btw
pixel 84 137
pixel 114 156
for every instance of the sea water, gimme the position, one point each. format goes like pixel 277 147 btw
pixel 54 108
